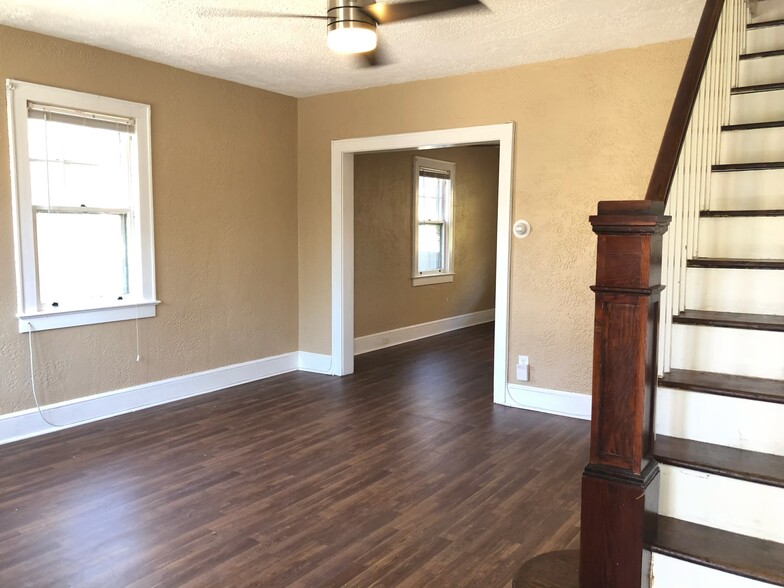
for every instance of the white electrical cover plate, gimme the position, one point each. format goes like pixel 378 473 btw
pixel 521 229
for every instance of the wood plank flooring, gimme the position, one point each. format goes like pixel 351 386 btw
pixel 404 474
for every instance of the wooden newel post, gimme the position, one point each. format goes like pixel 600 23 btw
pixel 620 493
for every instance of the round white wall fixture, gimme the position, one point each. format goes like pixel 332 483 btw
pixel 521 229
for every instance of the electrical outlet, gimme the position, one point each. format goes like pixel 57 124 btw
pixel 522 368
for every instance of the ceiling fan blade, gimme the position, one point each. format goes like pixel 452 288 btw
pixel 375 58
pixel 239 13
pixel 384 13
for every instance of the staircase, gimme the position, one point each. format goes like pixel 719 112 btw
pixel 720 401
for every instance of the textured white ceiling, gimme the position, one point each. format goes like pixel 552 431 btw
pixel 290 56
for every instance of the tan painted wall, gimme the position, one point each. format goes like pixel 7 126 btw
pixel 227 189
pixel 588 129
pixel 225 199
pixel 384 297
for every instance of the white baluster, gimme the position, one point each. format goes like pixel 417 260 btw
pixel 664 334
pixel 691 186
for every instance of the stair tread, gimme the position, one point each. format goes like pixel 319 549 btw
pixel 758 88
pixel 741 555
pixel 762 468
pixel 774 124
pixel 762 389
pixel 760 54
pixel 733 320
pixel 740 213
pixel 729 167
pixel 766 23
pixel 730 263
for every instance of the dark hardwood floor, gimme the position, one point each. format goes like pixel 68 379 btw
pixel 404 474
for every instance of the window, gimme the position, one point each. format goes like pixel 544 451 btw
pixel 433 226
pixel 80 167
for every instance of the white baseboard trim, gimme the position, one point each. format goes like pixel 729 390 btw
pixel 568 404
pixel 394 337
pixel 314 362
pixel 28 423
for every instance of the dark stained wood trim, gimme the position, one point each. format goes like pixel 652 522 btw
pixel 776 124
pixel 762 54
pixel 736 167
pixel 721 550
pixel 760 389
pixel 731 320
pixel 620 490
pixel 675 133
pixel 729 263
pixel 765 24
pixel 751 466
pixel 758 88
pixel 739 213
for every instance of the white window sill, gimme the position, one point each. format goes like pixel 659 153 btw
pixel 62 319
pixel 432 279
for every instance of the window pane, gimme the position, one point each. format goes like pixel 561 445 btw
pixel 86 166
pixel 81 257
pixel 430 255
pixel 432 194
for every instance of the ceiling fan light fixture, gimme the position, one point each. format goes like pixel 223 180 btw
pixel 350 29
pixel 352 37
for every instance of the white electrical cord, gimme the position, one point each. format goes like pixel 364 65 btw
pixel 508 395
pixel 138 352
pixel 32 377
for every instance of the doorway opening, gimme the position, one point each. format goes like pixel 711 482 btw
pixel 343 188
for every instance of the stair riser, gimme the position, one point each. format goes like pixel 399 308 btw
pixel 742 352
pixel 733 422
pixel 742 237
pixel 757 107
pixel 752 146
pixel 669 572
pixel 763 70
pixel 747 190
pixel 768 10
pixel 735 290
pixel 747 508
pixel 765 39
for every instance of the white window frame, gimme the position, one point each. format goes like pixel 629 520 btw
pixel 447 274
pixel 142 301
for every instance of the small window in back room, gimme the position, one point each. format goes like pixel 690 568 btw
pixel 434 227
pixel 83 208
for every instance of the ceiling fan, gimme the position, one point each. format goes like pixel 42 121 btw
pixel 352 24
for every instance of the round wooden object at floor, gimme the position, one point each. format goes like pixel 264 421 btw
pixel 557 569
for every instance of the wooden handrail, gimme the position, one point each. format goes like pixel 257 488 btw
pixel 675 133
